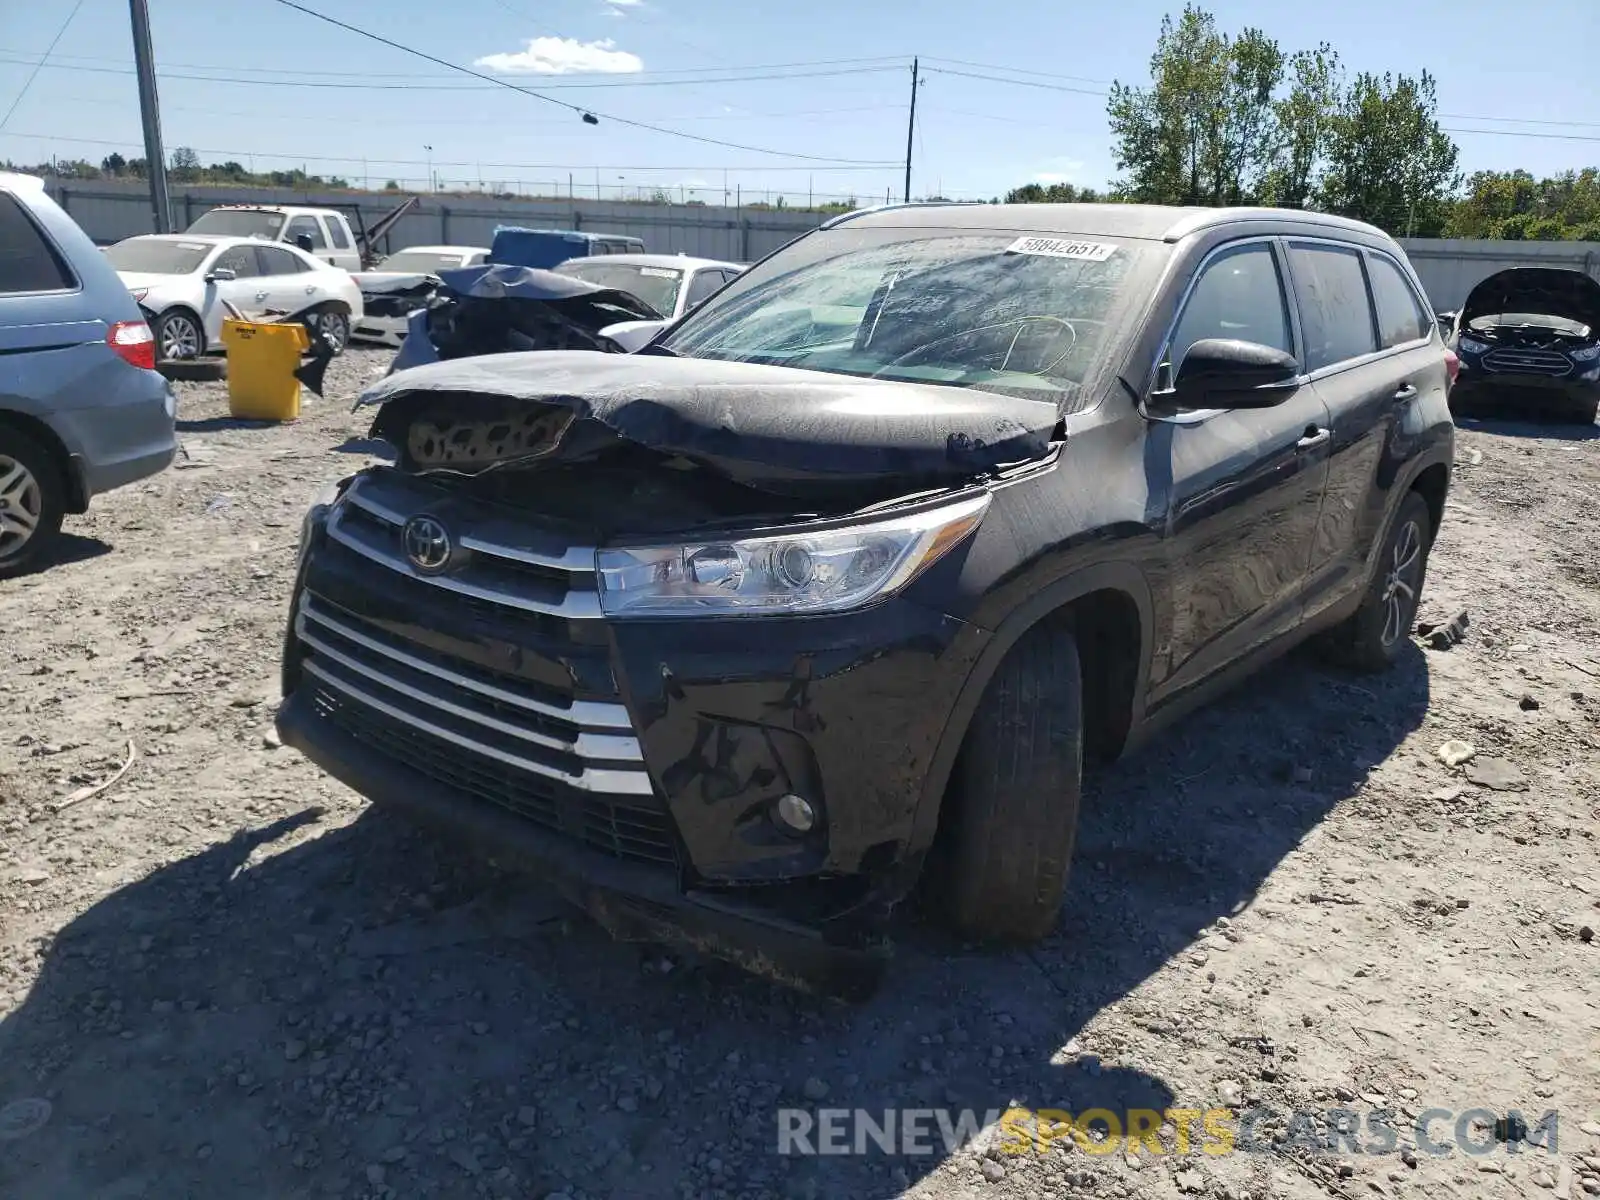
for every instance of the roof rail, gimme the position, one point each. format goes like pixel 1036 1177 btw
pixel 876 208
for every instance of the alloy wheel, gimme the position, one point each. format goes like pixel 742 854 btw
pixel 334 329
pixel 21 505
pixel 180 338
pixel 1402 582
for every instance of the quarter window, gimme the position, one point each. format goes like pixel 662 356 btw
pixel 1401 316
pixel 28 263
pixel 1335 311
pixel 701 288
pixel 1239 295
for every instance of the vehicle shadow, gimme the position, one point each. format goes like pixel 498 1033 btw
pixel 1531 428
pixel 219 424
pixel 362 445
pixel 369 1008
pixel 68 548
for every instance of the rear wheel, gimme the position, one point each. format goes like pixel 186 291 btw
pixel 179 335
pixel 1372 638
pixel 1586 415
pixel 1007 841
pixel 32 500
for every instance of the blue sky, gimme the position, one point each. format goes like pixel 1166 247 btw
pixel 656 61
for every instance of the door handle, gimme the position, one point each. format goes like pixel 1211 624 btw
pixel 1313 437
pixel 310 287
pixel 1406 391
pixel 261 295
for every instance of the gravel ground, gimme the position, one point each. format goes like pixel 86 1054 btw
pixel 224 976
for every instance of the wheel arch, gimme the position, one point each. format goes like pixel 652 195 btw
pixel 1433 484
pixel 1109 604
pixel 179 308
pixel 71 480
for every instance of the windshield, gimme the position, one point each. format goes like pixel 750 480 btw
pixel 1514 320
pixel 155 256
pixel 984 309
pixel 239 222
pixel 656 286
pixel 420 262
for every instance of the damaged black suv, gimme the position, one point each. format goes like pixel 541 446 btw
pixel 836 585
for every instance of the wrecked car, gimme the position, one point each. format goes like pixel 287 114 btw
pixel 403 283
pixel 672 284
pixel 834 589
pixel 1529 342
pixel 500 309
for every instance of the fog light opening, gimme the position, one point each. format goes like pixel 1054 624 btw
pixel 796 814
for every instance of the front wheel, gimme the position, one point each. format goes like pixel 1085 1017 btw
pixel 1008 839
pixel 1372 638
pixel 332 326
pixel 32 500
pixel 179 335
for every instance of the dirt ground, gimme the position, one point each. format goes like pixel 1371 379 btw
pixel 223 976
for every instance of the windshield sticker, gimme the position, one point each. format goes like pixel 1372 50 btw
pixel 658 272
pixel 1062 248
pixel 193 246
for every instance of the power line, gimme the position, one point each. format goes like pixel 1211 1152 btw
pixel 1527 133
pixel 469 87
pixel 295 156
pixel 1522 121
pixel 961 62
pixel 34 74
pixel 1054 87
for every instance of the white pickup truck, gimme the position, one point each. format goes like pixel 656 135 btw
pixel 323 232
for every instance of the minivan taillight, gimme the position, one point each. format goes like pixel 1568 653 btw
pixel 134 343
pixel 1452 365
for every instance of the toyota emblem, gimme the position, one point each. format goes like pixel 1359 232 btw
pixel 427 544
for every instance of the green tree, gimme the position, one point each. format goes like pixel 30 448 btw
pixel 185 165
pixel 1303 120
pixel 1389 162
pixel 1054 193
pixel 1516 206
pixel 1205 129
pixel 113 164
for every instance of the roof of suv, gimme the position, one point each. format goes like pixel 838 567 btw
pixel 1155 222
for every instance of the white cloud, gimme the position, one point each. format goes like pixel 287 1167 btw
pixel 564 56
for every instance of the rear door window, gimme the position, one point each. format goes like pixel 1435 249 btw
pixel 336 234
pixel 309 226
pixel 1239 295
pixel 1402 317
pixel 28 262
pixel 704 284
pixel 279 262
pixel 1336 315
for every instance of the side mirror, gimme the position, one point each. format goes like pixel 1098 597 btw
pixel 1228 373
pixel 220 275
pixel 303 240
pixel 1447 324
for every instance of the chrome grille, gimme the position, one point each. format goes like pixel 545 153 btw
pixel 503 733
pixel 1516 360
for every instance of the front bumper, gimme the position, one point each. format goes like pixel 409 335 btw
pixel 387 331
pixel 1476 388
pixel 632 902
pixel 641 761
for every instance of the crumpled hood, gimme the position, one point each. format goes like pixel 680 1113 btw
pixel 777 428
pixel 1546 291
pixel 136 281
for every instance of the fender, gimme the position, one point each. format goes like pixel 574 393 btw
pixel 1106 576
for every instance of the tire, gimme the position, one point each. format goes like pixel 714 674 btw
pixel 180 335
pixel 1015 792
pixel 333 324
pixel 1588 414
pixel 32 500
pixel 1372 638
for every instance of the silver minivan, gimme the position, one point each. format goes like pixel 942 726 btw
pixel 82 409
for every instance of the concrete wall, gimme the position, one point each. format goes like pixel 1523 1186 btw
pixel 110 211
pixel 1451 267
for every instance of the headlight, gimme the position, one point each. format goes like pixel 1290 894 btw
pixel 1588 353
pixel 803 571
pixel 1468 346
pixel 325 500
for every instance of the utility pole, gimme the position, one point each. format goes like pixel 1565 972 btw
pixel 911 125
pixel 150 113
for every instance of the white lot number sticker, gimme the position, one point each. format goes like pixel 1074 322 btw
pixel 1061 248
pixel 658 272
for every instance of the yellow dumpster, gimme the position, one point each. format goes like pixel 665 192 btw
pixel 262 360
